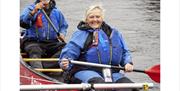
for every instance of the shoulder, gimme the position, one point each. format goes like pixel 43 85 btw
pixel 80 34
pixel 116 31
pixel 79 37
pixel 56 10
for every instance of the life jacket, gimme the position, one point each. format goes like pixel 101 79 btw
pixel 102 52
pixel 111 49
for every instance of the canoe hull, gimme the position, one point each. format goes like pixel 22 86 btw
pixel 28 76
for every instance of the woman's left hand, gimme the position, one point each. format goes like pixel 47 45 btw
pixel 128 67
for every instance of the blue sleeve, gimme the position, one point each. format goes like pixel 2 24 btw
pixel 73 49
pixel 62 23
pixel 126 56
pixel 25 16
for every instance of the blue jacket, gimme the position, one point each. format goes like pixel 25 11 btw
pixel 45 32
pixel 120 52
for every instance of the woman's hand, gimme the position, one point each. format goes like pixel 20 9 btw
pixel 128 67
pixel 64 63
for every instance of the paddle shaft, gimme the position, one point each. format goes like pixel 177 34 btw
pixel 103 66
pixel 81 63
pixel 55 29
pixel 121 68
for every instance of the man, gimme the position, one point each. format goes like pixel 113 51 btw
pixel 40 39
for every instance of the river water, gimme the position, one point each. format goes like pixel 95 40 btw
pixel 138 20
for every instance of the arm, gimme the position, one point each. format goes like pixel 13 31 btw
pixel 73 49
pixel 26 18
pixel 127 60
pixel 62 24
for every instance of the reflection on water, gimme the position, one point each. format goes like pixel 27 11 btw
pixel 154 7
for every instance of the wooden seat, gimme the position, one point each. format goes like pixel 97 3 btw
pixel 48 70
pixel 43 60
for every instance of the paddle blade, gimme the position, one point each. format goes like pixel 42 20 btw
pixel 154 73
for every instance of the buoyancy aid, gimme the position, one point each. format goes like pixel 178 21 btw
pixel 109 47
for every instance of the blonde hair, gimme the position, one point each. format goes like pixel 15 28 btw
pixel 93 7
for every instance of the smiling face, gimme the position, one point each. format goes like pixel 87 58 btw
pixel 94 18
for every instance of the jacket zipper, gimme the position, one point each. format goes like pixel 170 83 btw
pixel 110 45
pixel 99 56
pixel 48 32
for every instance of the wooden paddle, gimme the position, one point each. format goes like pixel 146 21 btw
pixel 153 72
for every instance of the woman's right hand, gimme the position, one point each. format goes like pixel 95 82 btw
pixel 64 63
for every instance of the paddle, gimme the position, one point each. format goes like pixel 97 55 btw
pixel 55 29
pixel 153 72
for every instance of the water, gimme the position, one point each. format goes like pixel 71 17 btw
pixel 138 20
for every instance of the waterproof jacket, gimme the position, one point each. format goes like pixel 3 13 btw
pixel 46 32
pixel 111 48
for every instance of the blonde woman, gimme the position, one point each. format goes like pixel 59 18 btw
pixel 97 42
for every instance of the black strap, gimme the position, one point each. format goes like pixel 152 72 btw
pixel 88 42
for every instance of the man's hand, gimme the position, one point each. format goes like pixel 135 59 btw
pixel 38 6
pixel 128 67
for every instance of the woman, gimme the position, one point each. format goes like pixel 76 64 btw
pixel 95 41
pixel 40 39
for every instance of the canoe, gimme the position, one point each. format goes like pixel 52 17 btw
pixel 31 79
